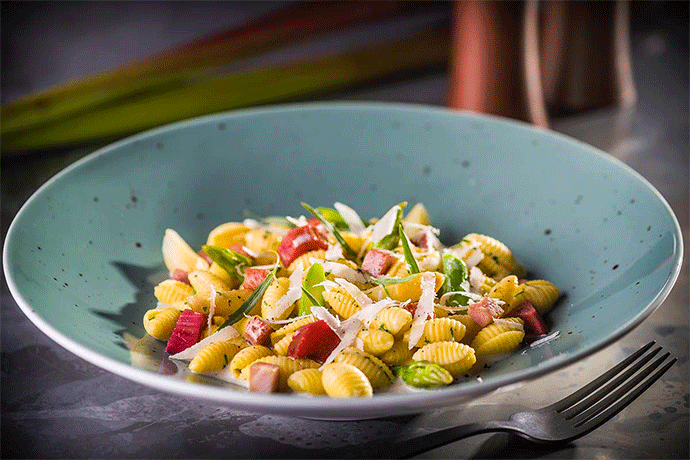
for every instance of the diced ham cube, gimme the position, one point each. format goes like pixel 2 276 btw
pixel 186 331
pixel 534 324
pixel 205 257
pixel 180 275
pixel 298 241
pixel 264 378
pixel 412 308
pixel 257 331
pixel 484 311
pixel 377 262
pixel 253 277
pixel 421 240
pixel 238 248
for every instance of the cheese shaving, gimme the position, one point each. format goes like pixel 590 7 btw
pixel 543 340
pixel 252 223
pixel 355 292
pixel 293 294
pixel 251 253
pixel 476 278
pixel 161 306
pixel 385 226
pixel 348 333
pixel 212 307
pixel 351 218
pixel 299 222
pixel 323 314
pixel 341 271
pixel 368 313
pixel 334 252
pixel 509 324
pixel 425 307
pixel 221 335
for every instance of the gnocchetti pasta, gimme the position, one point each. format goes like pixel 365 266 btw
pixel 337 306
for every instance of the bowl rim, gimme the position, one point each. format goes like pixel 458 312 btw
pixel 288 404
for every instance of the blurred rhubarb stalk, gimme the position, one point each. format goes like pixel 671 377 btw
pixel 192 79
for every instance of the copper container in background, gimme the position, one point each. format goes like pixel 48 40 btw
pixel 585 54
pixel 495 60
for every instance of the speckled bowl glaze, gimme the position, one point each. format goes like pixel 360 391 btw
pixel 83 254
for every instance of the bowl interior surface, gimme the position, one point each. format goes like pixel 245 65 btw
pixel 84 253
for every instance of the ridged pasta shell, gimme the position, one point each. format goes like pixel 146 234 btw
pixel 172 292
pixel 341 302
pixel 213 357
pixel 247 356
pixel 227 234
pixel 457 358
pixel 377 372
pixel 342 380
pixel 375 341
pixel 306 381
pixel 498 338
pixel 159 323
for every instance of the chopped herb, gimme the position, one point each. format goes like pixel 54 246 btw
pixel 227 259
pixel 409 257
pixel 248 304
pixel 386 281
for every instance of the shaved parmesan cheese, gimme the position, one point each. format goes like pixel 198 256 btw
pixel 351 218
pixel 252 223
pixel 221 335
pixel 343 271
pixel 251 253
pixel 476 278
pixel 332 321
pixel 334 252
pixel 161 306
pixel 474 256
pixel 299 222
pixel 212 308
pixel 385 226
pixel 368 313
pixel 354 291
pixel 348 333
pixel 509 324
pixel 543 340
pixel 293 294
pixel 425 307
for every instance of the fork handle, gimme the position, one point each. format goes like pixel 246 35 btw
pixel 410 447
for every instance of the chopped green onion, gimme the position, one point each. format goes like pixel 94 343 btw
pixel 251 302
pixel 409 257
pixel 391 240
pixel 329 226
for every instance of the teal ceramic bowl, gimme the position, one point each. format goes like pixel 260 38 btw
pixel 83 254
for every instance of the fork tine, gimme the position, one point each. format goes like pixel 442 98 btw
pixel 595 384
pixel 604 416
pixel 591 399
pixel 616 393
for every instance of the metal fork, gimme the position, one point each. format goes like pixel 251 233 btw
pixel 568 419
